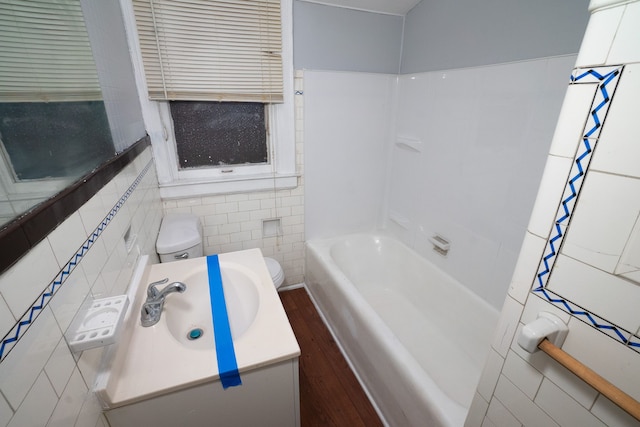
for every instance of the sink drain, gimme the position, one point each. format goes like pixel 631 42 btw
pixel 194 334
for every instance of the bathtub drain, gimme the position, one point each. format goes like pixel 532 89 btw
pixel 194 334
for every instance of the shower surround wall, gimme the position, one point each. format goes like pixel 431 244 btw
pixel 570 262
pixel 475 174
pixel 483 137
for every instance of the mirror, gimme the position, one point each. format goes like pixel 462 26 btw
pixel 53 123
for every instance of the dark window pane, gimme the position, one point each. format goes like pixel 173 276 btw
pixel 55 139
pixel 219 133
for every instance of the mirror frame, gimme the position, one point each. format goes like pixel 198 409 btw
pixel 28 229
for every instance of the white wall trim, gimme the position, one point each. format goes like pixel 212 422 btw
pixel 175 183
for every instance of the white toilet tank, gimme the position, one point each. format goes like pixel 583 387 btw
pixel 180 237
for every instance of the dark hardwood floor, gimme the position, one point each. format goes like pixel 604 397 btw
pixel 330 394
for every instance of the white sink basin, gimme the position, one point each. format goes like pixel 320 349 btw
pixel 187 315
pixel 156 360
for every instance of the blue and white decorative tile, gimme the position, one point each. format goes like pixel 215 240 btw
pixel 22 326
pixel 606 79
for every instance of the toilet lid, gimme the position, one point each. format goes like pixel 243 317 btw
pixel 178 232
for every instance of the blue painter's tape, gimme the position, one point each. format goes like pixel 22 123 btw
pixel 225 353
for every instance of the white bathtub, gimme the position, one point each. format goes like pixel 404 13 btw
pixel 416 337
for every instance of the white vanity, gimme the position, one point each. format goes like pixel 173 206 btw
pixel 162 376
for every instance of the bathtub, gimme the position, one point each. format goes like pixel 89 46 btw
pixel 415 337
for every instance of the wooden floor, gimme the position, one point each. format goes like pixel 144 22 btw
pixel 330 395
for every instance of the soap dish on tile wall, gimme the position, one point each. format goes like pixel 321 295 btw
pixel 98 325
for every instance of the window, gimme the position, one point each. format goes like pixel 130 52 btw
pixel 53 122
pixel 219 134
pixel 43 140
pixel 215 54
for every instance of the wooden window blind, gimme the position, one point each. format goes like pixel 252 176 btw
pixel 211 50
pixel 45 54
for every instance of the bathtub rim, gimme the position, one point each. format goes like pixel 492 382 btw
pixel 446 410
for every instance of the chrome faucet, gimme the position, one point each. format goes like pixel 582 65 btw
pixel 152 307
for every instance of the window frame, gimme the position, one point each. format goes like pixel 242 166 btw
pixel 280 173
pixel 229 167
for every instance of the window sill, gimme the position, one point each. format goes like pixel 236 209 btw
pixel 246 184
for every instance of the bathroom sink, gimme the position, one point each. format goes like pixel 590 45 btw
pixel 187 316
pixel 160 359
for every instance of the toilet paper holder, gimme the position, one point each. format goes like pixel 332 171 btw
pixel 547 326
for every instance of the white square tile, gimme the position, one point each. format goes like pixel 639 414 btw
pixel 522 374
pixel 21 367
pixel 93 212
pixel 526 267
pixel 67 238
pixel 627 39
pixel 70 403
pixel 59 367
pixel 477 412
pixel 38 406
pixel 603 221
pixel 617 147
pixel 615 362
pixel 570 128
pixel 608 296
pixel 22 284
pixel 488 423
pixel 112 270
pixel 521 406
pixel 611 414
pixel 7 321
pixel 507 325
pixel 552 187
pixel 490 374
pixel 629 263
pixel 500 415
pixel 5 412
pixel 91 412
pixel 564 410
pixel 93 261
pixel 69 297
pixel 557 373
pixel 599 37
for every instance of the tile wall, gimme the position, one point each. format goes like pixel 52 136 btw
pixel 41 381
pixel 235 221
pixel 578 259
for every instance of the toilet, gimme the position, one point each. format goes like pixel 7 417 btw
pixel 275 270
pixel 180 237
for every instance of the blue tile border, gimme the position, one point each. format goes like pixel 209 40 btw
pixel 20 328
pixel 607 80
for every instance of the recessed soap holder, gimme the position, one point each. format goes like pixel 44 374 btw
pixel 99 324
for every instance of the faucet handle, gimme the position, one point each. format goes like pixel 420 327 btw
pixel 152 291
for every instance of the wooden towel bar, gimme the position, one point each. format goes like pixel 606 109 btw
pixel 613 393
